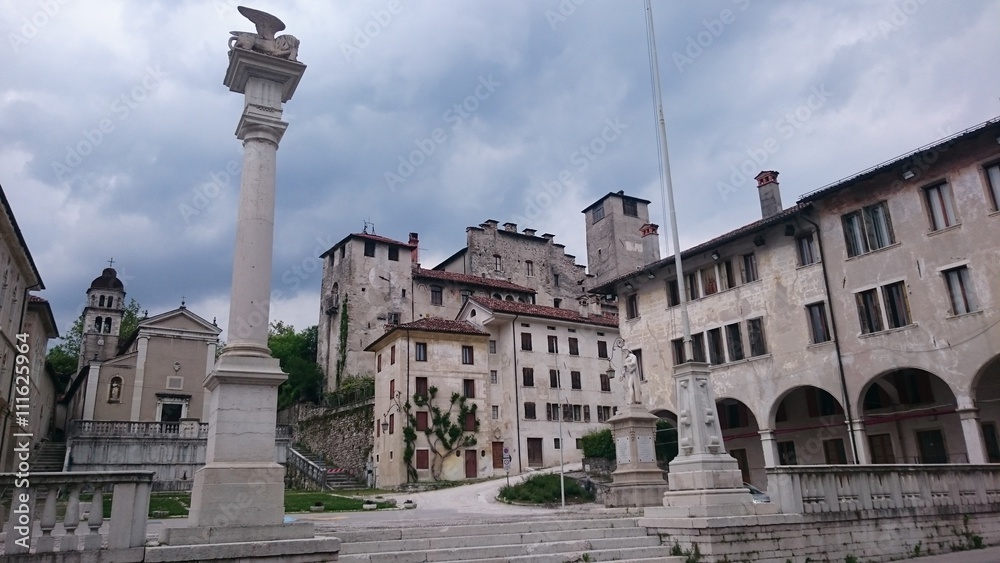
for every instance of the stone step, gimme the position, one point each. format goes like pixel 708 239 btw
pixel 628 555
pixel 609 549
pixel 503 528
pixel 453 542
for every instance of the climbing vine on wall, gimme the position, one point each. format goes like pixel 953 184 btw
pixel 444 435
pixel 342 349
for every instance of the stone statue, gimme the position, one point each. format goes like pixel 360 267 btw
pixel 264 41
pixel 630 375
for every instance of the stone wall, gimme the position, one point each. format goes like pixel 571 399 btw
pixel 343 436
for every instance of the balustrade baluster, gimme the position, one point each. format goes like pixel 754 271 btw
pixel 47 543
pixel 71 521
pixel 93 540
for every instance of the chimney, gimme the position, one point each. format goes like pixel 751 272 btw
pixel 529 232
pixel 770 195
pixel 415 243
pixel 649 229
pixel 510 227
pixel 584 308
pixel 489 224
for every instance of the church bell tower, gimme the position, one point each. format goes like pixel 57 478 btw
pixel 102 317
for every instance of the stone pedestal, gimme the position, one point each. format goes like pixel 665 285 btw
pixel 638 481
pixel 704 479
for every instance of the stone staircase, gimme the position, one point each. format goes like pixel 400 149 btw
pixel 334 478
pixel 568 540
pixel 49 457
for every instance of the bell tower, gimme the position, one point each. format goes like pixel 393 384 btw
pixel 102 317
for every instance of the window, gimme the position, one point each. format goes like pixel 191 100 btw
pixel 392 388
pixel 734 340
pixel 343 250
pixel 598 213
pixel 940 206
pixel 603 413
pixel 586 414
pixel 574 347
pixel 691 285
pixel 421 388
pixel 818 326
pixel 551 411
pixel 732 414
pixel 423 459
pixel 493 346
pixel 469 388
pixel 556 444
pixel 577 413
pixel 673 294
pixel 469 424
pixel 495 412
pixel 963 295
pixel 749 268
pixel 526 341
pixel 881 448
pixel 529 267
pixel 369 248
pixel 494 378
pixel 557 303
pixel 392 423
pixel 897 311
pixel 422 420
pixel 678 346
pixel 553 344
pixel 575 380
pixel 467 357
pixel 708 281
pixel 392 319
pixel 437 295
pixel 555 279
pixel 378 363
pixel 716 354
pixel 602 349
pixel 498 262
pixel 605 382
pixel 632 306
pixel 834 452
pixel 630 207
pixel 786 453
pixel 529 411
pixel 727 279
pixel 993 180
pixel 638 364
pixel 755 332
pixel 528 377
pixel 868 229
pixel 807 250
pixel 869 312
pixel 553 378
pixel 698 343
pixel 394 253
pixel 392 355
pixel 420 351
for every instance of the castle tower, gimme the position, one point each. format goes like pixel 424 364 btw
pixel 102 317
pixel 620 238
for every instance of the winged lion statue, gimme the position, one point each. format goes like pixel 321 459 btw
pixel 264 41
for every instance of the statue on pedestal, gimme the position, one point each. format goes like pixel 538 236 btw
pixel 264 41
pixel 630 375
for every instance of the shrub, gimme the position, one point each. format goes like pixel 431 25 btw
pixel 598 443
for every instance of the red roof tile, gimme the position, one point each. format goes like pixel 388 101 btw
pixel 470 279
pixel 378 238
pixel 518 308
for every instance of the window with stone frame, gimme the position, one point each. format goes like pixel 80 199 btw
pixel 806 247
pixel 698 344
pixel 869 311
pixel 632 306
pixel 553 344
pixel 528 377
pixel 750 268
pixel 819 326
pixel 993 185
pixel 734 342
pixel 529 411
pixel 526 341
pixel 574 347
pixel 467 355
pixel 960 290
pixel 716 347
pixel 867 229
pixel 605 382
pixel 420 388
pixel 897 307
pixel 553 378
pixel 437 295
pixel 598 213
pixel 420 351
pixel 421 420
pixel 940 206
pixel 423 459
pixel 575 380
pixel 755 334
pixel 469 388
pixel 602 349
pixel 673 293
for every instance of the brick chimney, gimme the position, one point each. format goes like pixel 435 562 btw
pixel 510 227
pixel 770 195
pixel 414 253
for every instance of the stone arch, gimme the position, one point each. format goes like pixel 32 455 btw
pixel 665 437
pixel 985 391
pixel 910 416
pixel 741 436
pixel 809 425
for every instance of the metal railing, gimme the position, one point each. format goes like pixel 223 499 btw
pixel 306 468
pixel 35 500
pixel 848 488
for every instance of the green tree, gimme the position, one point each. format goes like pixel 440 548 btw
pixel 65 356
pixel 444 435
pixel 130 319
pixel 296 353
pixel 598 443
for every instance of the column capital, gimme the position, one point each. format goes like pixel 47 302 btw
pixel 255 126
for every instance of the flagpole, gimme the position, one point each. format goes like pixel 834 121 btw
pixel 666 184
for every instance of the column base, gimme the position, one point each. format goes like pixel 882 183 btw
pixel 238 495
pixel 635 494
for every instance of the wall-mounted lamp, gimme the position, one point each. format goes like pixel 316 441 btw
pixel 908 174
pixel 385 426
pixel 716 255
pixel 789 230
pixel 758 240
pixel 651 275
pixel 629 286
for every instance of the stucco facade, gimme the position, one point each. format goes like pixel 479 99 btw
pixel 844 354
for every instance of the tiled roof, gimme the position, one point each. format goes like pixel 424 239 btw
pixel 470 279
pixel 743 231
pixel 378 238
pixel 36 299
pixel 517 308
pixel 431 324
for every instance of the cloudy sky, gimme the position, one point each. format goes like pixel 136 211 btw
pixel 434 116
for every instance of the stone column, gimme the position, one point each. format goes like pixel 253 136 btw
pixel 857 427
pixel 770 446
pixel 974 444
pixel 241 485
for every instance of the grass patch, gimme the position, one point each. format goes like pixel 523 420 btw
pixel 301 501
pixel 545 489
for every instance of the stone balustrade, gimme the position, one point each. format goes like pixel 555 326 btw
pixel 305 471
pixel 97 428
pixel 33 502
pixel 848 488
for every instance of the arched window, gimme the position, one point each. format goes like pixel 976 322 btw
pixel 101 302
pixel 98 323
pixel 509 298
pixel 115 390
pixel 111 302
pixel 497 296
pixel 107 324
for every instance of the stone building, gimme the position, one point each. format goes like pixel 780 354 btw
pixel 523 366
pixel 620 238
pixel 370 281
pixel 859 325
pixel 25 327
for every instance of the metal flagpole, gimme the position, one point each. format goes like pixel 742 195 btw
pixel 666 185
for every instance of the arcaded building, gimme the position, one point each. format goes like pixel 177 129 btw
pixel 857 326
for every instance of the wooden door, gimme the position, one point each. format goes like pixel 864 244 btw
pixel 471 471
pixel 497 455
pixel 534 452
